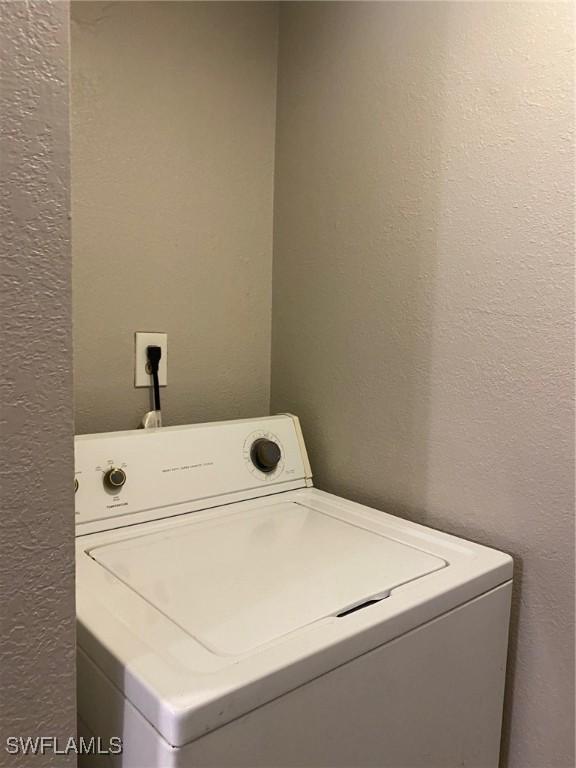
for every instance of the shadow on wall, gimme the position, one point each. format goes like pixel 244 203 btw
pixel 422 295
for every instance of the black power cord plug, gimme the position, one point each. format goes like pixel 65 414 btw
pixel 154 354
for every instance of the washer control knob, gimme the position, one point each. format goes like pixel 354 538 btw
pixel 265 454
pixel 114 478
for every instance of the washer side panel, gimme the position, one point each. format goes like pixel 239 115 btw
pixel 104 712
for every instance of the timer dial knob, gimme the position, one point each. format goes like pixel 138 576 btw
pixel 114 478
pixel 265 454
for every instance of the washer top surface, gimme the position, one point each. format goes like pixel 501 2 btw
pixel 237 582
pixel 202 617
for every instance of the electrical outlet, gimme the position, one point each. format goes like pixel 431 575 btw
pixel 141 376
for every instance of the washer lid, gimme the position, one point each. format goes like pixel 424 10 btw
pixel 242 580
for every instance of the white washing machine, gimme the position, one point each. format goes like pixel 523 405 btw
pixel 230 614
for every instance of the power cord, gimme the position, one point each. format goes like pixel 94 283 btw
pixel 153 419
pixel 154 355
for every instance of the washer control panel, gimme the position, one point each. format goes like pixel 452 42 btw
pixel 126 473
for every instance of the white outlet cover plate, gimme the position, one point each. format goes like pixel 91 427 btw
pixel 142 340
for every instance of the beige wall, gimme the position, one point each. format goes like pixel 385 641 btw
pixel 173 117
pixel 37 685
pixel 422 294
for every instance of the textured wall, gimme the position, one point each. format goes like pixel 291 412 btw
pixel 173 118
pixel 36 465
pixel 423 293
